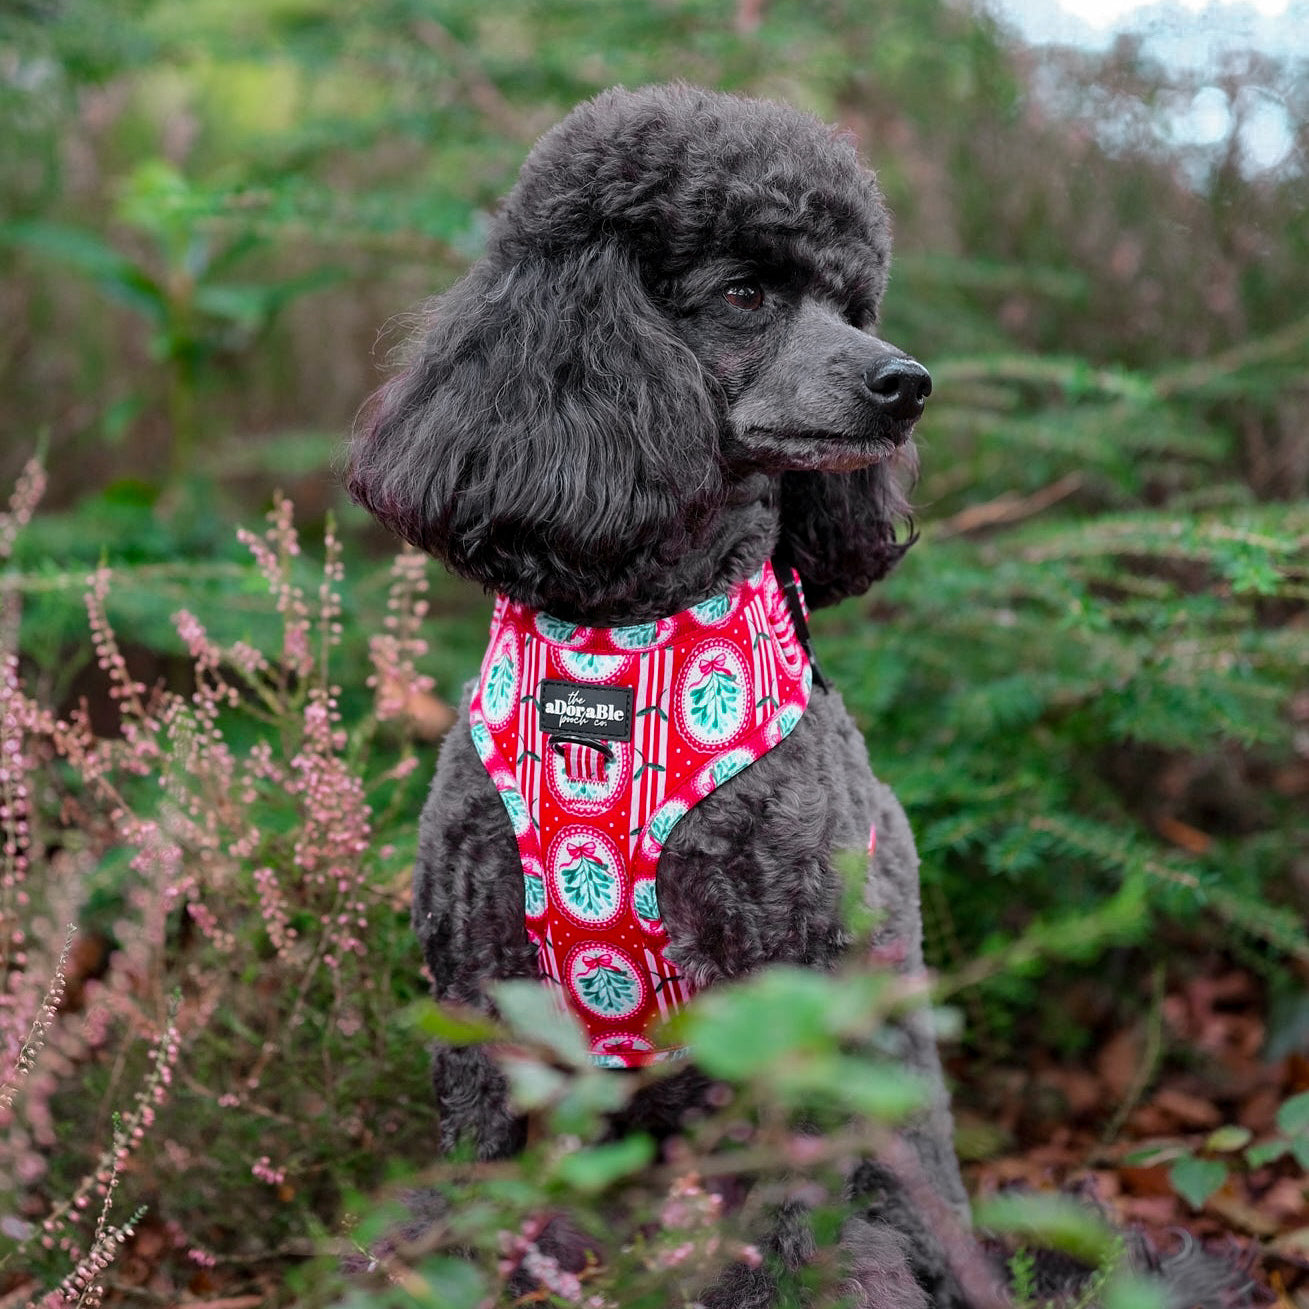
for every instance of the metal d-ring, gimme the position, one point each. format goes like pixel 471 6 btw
pixel 557 743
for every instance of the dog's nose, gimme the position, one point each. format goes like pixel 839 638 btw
pixel 898 385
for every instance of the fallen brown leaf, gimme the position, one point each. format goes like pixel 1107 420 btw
pixel 229 1302
pixel 1240 1213
pixel 1258 1112
pixel 1146 1180
pixel 1119 1061
pixel 1082 1091
pixel 1285 1199
pixel 1188 1110
pixel 1149 1210
pixel 1183 834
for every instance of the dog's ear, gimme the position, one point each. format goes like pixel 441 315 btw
pixel 550 433
pixel 841 528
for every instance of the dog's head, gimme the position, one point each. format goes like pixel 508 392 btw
pixel 677 296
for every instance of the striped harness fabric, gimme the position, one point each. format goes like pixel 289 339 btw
pixel 599 740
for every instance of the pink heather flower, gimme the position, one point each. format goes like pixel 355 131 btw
pixel 673 1256
pixel 42 1021
pixel 546 1270
pixel 273 554
pixel 18 719
pixel 199 850
pixel 207 921
pixel 274 910
pixel 123 685
pixel 263 1169
pixel 397 774
pixel 27 493
pixel 395 652
pixel 336 820
pixel 689 1205
pixel 329 598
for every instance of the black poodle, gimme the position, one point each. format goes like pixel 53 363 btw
pixel 659 391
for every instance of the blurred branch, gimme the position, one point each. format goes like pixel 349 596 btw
pixel 1008 508
pixel 479 88
pixel 1067 374
pixel 75 580
pixel 1196 377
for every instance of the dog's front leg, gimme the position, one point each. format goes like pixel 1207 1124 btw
pixel 893 891
pixel 468 913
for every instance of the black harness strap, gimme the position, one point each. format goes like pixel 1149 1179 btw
pixel 784 571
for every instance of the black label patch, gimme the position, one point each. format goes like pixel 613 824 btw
pixel 603 711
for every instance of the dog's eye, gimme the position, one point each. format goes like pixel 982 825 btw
pixel 744 295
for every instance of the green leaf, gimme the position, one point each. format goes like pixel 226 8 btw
pixel 451 1284
pixel 880 1091
pixel 1226 1139
pixel 599 1167
pixel 119 416
pixel 80 249
pixel 1127 1291
pixel 1300 1149
pixel 251 306
pixel 1195 1180
pixel 532 1084
pixel 1053 1221
pixel 531 1014
pixel 590 1094
pixel 742 1029
pixel 1266 1151
pixel 1159 1153
pixel 452 1024
pixel 1293 1116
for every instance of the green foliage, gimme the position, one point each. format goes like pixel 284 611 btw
pixel 1082 682
pixel 1035 663
pixel 180 288
pixel 1197 1174
pixel 1195 1180
pixel 1059 1223
pixel 805 1087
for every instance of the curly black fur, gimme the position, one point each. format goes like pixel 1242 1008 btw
pixel 663 370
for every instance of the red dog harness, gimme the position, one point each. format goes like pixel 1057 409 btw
pixel 599 741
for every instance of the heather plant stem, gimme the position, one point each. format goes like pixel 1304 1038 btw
pixel 45 1016
pixel 116 1074
pixel 329 600
pixel 128 1135
pixel 399 799
pixel 152 574
pixel 277 709
pixel 119 1151
pixel 15 817
pixel 270 1048
pixel 247 1105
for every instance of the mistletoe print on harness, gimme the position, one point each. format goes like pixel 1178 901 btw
pixel 599 740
